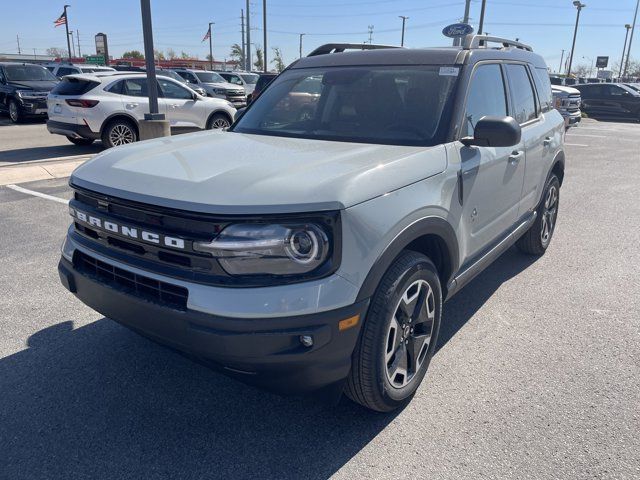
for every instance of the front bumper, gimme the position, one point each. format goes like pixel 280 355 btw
pixel 35 106
pixel 267 352
pixel 571 118
pixel 72 130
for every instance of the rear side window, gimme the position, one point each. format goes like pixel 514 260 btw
pixel 543 85
pixel 524 104
pixel 486 97
pixel 62 71
pixel 73 86
pixel 135 87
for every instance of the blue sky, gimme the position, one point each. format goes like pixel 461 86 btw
pixel 545 24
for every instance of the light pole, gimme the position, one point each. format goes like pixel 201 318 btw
pixel 210 47
pixel 301 35
pixel 481 25
pixel 579 6
pixel 633 29
pixel 624 49
pixel 404 19
pixel 561 58
pixel 66 25
pixel 248 37
pixel 264 34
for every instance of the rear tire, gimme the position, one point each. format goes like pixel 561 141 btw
pixel 537 239
pixel 80 141
pixel 119 132
pixel 399 335
pixel 218 121
pixel 14 111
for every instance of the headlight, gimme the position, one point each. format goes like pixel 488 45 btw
pixel 269 249
pixel 558 102
pixel 219 91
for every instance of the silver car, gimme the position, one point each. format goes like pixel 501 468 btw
pixel 314 252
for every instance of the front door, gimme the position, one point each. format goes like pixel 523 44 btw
pixel 491 177
pixel 182 110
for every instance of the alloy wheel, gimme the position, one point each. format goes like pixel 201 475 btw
pixel 121 135
pixel 13 111
pixel 220 123
pixel 549 215
pixel 409 333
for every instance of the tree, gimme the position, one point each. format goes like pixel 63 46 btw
pixel 57 52
pixel 259 63
pixel 171 54
pixel 158 54
pixel 133 54
pixel 184 55
pixel 277 59
pixel 581 70
pixel 237 54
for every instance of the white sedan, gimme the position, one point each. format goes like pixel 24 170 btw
pixel 87 107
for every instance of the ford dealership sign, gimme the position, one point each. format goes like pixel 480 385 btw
pixel 457 30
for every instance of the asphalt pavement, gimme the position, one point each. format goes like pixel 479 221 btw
pixel 537 373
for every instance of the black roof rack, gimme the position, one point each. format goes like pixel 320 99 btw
pixel 341 47
pixel 476 41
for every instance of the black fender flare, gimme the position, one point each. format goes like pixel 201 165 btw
pixel 436 226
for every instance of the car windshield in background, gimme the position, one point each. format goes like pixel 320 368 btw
pixel 209 77
pixel 171 74
pixel 385 105
pixel 250 78
pixel 28 73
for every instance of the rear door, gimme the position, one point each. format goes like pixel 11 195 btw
pixel 491 176
pixel 135 98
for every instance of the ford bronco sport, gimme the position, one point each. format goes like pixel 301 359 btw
pixel 314 252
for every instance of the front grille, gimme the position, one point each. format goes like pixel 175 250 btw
pixel 154 291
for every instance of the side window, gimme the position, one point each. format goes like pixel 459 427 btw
pixel 1 75
pixel 135 87
pixel 51 69
pixel 486 97
pixel 524 105
pixel 171 90
pixel 62 71
pixel 613 90
pixel 115 87
pixel 190 77
pixel 235 80
pixel 543 85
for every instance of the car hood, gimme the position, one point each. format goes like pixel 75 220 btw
pixel 226 86
pixel 236 173
pixel 567 90
pixel 40 85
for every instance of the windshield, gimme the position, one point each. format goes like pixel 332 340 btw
pixel 404 105
pixel 28 73
pixel 209 77
pixel 250 78
pixel 171 74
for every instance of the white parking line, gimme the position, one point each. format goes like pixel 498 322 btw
pixel 38 194
pixel 571 134
pixel 576 145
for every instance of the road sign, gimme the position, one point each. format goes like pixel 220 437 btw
pixel 457 30
pixel 95 60
pixel 602 62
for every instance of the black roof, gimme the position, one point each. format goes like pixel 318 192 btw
pixel 420 56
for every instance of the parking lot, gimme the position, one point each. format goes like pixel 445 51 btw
pixel 537 373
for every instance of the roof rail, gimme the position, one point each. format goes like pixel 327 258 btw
pixel 472 41
pixel 341 47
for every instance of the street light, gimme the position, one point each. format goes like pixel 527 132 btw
pixel 624 49
pixel 404 19
pixel 579 6
pixel 301 35
pixel 633 29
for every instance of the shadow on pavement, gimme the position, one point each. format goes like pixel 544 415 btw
pixel 44 153
pixel 101 402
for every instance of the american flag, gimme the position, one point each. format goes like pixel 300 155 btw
pixel 207 35
pixel 62 20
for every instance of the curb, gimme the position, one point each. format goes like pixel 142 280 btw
pixel 15 174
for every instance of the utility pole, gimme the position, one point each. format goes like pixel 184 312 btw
pixel 301 35
pixel 18 40
pixel 633 29
pixel 35 57
pixel 481 25
pixel 624 49
pixel 78 40
pixel 73 45
pixel 579 6
pixel 248 59
pixel 264 33
pixel 210 47
pixel 370 27
pixel 244 56
pixel 467 7
pixel 561 57
pixel 66 25
pixel 404 19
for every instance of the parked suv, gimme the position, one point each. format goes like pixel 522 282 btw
pixel 23 90
pixel 612 100
pixel 315 252
pixel 246 80
pixel 109 106
pixel 567 101
pixel 62 69
pixel 215 85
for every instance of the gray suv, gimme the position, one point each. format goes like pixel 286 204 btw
pixel 314 252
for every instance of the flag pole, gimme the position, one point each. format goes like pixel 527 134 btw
pixel 66 25
pixel 210 48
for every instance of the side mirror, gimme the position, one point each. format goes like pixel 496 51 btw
pixel 194 97
pixel 494 132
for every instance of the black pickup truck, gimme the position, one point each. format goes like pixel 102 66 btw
pixel 23 90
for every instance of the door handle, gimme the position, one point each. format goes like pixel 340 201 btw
pixel 515 156
pixel 175 105
pixel 547 141
pixel 132 105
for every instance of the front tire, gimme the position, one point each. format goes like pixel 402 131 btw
pixel 537 239
pixel 399 335
pixel 80 141
pixel 119 132
pixel 14 111
pixel 218 121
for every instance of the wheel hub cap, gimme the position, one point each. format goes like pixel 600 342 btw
pixel 549 215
